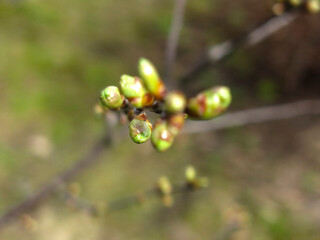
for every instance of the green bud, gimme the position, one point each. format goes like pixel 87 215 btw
pixel 162 137
pixel 164 185
pixel 111 98
pixel 140 129
pixel 151 78
pixel 209 104
pixel 295 3
pixel 313 6
pixel 133 89
pixel 175 102
pixel 225 96
pixel 190 174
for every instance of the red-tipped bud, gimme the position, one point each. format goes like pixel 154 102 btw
pixel 151 79
pixel 133 89
pixel 209 104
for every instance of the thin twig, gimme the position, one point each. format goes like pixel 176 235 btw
pixel 217 53
pixel 173 38
pixel 241 118
pixel 48 189
pixel 122 203
pixel 256 115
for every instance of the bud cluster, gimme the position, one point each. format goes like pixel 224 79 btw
pixel 148 91
pixel 309 6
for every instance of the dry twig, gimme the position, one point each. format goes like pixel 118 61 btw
pixel 173 38
pixel 217 53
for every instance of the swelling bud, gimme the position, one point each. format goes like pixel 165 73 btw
pixel 175 102
pixel 111 98
pixel 162 138
pixel 133 89
pixel 151 79
pixel 209 104
pixel 140 129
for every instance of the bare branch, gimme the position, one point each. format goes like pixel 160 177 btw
pixel 36 199
pixel 217 53
pixel 129 201
pixel 241 118
pixel 257 115
pixel 173 38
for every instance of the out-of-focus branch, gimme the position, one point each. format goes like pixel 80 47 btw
pixel 173 39
pixel 217 53
pixel 48 189
pixel 256 115
pixel 34 201
pixel 241 118
pixel 101 209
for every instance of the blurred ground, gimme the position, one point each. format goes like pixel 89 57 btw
pixel 57 55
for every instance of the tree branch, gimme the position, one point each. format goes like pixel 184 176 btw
pixel 217 53
pixel 256 115
pixel 122 203
pixel 173 38
pixel 34 201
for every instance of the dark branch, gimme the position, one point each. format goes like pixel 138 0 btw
pixel 35 200
pixel 217 53
pixel 129 201
pixel 173 39
pixel 257 115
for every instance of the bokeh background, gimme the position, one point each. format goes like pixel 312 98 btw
pixel 56 56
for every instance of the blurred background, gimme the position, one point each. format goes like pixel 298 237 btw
pixel 56 57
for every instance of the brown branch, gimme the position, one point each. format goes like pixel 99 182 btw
pixel 122 203
pixel 256 115
pixel 34 201
pixel 173 38
pixel 241 118
pixel 217 53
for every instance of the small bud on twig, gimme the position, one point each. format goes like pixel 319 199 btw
pixel 190 174
pixel 164 185
pixel 133 89
pixel 151 79
pixel 162 138
pixel 140 129
pixel 165 188
pixel 209 104
pixel 111 98
pixel 175 102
